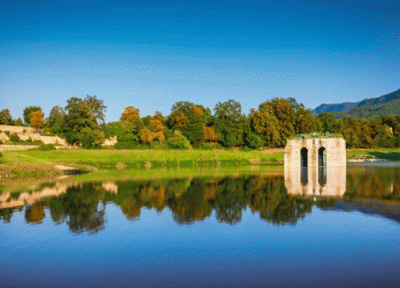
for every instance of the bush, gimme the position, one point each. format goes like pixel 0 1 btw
pixel 91 138
pixel 178 141
pixel 207 146
pixel 254 141
pixel 219 146
pixel 46 147
pixel 196 146
pixel 15 138
pixel 245 149
pixel 7 133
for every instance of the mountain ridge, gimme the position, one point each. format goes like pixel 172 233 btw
pixel 354 107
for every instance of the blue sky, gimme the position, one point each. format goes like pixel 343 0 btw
pixel 151 54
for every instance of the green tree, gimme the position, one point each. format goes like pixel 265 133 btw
pixel 78 117
pixel 29 110
pixel 351 131
pixel 230 123
pixel 96 107
pixel 91 138
pixel 190 119
pixel 284 113
pixel 5 117
pixel 55 120
pixel 18 122
pixel 328 122
pixel 264 124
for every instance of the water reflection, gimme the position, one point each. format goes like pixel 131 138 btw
pixel 277 198
pixel 322 181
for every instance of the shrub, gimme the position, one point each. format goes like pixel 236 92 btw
pixel 29 140
pixel 7 133
pixel 254 141
pixel 1 142
pixel 219 146
pixel 245 149
pixel 145 136
pixel 196 146
pixel 15 138
pixel 207 146
pixel 178 141
pixel 46 147
pixel 91 138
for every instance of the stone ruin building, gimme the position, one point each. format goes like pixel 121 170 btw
pixel 316 166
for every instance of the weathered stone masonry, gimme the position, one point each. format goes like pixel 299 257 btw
pixel 308 173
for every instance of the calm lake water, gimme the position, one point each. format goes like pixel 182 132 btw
pixel 338 229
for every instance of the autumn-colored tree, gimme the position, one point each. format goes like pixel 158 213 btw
pixel 180 120
pixel 145 136
pixel 351 131
pixel 130 113
pixel 159 117
pixel 36 119
pixel 29 110
pixel 304 121
pixel 284 113
pixel 159 136
pixel 156 125
pixel 190 120
pixel 211 135
pixel 264 124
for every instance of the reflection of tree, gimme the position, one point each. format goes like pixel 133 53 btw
pixel 80 205
pixel 230 200
pixel 191 206
pixel 34 213
pixel 381 183
pixel 6 214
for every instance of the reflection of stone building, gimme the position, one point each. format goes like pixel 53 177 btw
pixel 316 181
pixel 316 167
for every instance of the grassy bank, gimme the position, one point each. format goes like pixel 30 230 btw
pixel 17 164
pixel 391 154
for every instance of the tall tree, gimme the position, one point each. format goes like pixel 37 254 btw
pixel 55 120
pixel 36 119
pixel 5 117
pixel 29 110
pixel 130 113
pixel 79 116
pixel 264 124
pixel 190 119
pixel 284 113
pixel 328 122
pixel 230 123
pixel 97 107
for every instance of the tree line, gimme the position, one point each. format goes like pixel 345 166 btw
pixel 81 122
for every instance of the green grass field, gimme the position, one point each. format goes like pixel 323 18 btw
pixel 18 164
pixel 392 154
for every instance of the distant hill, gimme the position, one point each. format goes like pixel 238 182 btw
pixel 388 104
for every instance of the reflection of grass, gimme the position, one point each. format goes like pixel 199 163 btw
pixel 177 173
pixel 380 153
pixel 142 174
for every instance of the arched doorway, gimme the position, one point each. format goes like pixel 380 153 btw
pixel 321 156
pixel 322 166
pixel 304 166
pixel 304 157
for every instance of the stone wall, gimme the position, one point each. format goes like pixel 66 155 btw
pixel 27 132
pixel 335 151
